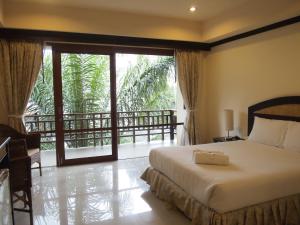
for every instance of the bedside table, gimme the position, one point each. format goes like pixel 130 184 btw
pixel 222 139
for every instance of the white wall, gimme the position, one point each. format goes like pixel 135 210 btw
pixel 248 71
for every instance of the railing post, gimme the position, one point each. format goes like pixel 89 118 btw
pixel 52 121
pixel 31 124
pixel 38 122
pixel 148 130
pixel 173 121
pixel 118 124
pixel 76 137
pixel 163 126
pixel 94 132
pixel 101 131
pixel 133 129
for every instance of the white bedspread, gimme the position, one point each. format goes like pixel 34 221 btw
pixel 257 173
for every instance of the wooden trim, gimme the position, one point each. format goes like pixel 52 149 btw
pixel 252 110
pixel 58 99
pixel 263 29
pixel 113 103
pixel 94 159
pixel 57 36
pixel 106 49
pixel 144 51
pixel 58 102
pixel 156 125
pixel 51 37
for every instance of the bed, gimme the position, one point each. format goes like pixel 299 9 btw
pixel 261 185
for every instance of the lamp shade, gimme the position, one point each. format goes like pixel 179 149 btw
pixel 228 119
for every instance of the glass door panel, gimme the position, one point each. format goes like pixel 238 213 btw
pixel 86 105
pixel 146 97
pixel 84 111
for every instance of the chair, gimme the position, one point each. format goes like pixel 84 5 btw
pixel 20 177
pixel 32 143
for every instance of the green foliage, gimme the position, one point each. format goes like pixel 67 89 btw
pixel 42 98
pixel 86 85
pixel 85 79
pixel 145 86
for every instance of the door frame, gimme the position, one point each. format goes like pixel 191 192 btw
pixel 57 50
pixel 79 48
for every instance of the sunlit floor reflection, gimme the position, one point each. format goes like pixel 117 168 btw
pixel 125 151
pixel 103 193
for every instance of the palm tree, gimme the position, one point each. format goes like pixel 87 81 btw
pixel 85 79
pixel 42 98
pixel 145 85
pixel 86 87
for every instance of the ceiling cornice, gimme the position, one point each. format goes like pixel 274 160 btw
pixel 57 36
pixel 256 31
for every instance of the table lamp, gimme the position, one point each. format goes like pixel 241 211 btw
pixel 228 121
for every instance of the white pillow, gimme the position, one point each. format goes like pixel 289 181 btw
pixel 292 138
pixel 268 132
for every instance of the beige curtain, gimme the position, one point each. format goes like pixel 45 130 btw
pixel 20 63
pixel 189 74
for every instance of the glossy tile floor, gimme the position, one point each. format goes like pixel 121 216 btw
pixel 125 151
pixel 104 193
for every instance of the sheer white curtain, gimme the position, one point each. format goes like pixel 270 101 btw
pixel 189 73
pixel 20 62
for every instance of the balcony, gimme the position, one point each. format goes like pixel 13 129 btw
pixel 89 133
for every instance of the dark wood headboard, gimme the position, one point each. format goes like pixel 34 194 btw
pixel 283 108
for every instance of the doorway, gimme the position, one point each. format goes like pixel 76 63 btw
pixel 85 104
pixel 94 103
pixel 146 102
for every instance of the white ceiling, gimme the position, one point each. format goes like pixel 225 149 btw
pixel 206 9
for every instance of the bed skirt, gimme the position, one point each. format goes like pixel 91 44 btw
pixel 283 211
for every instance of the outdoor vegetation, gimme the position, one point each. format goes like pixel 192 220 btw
pixel 146 84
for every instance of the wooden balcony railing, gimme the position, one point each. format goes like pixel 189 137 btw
pixel 92 129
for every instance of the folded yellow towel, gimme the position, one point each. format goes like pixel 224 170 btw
pixel 211 158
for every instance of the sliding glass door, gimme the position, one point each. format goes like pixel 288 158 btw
pixel 87 125
pixel 85 104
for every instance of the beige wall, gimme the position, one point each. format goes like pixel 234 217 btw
pixel 248 71
pixel 237 74
pixel 248 16
pixel 48 17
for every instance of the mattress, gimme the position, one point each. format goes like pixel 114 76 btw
pixel 257 173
